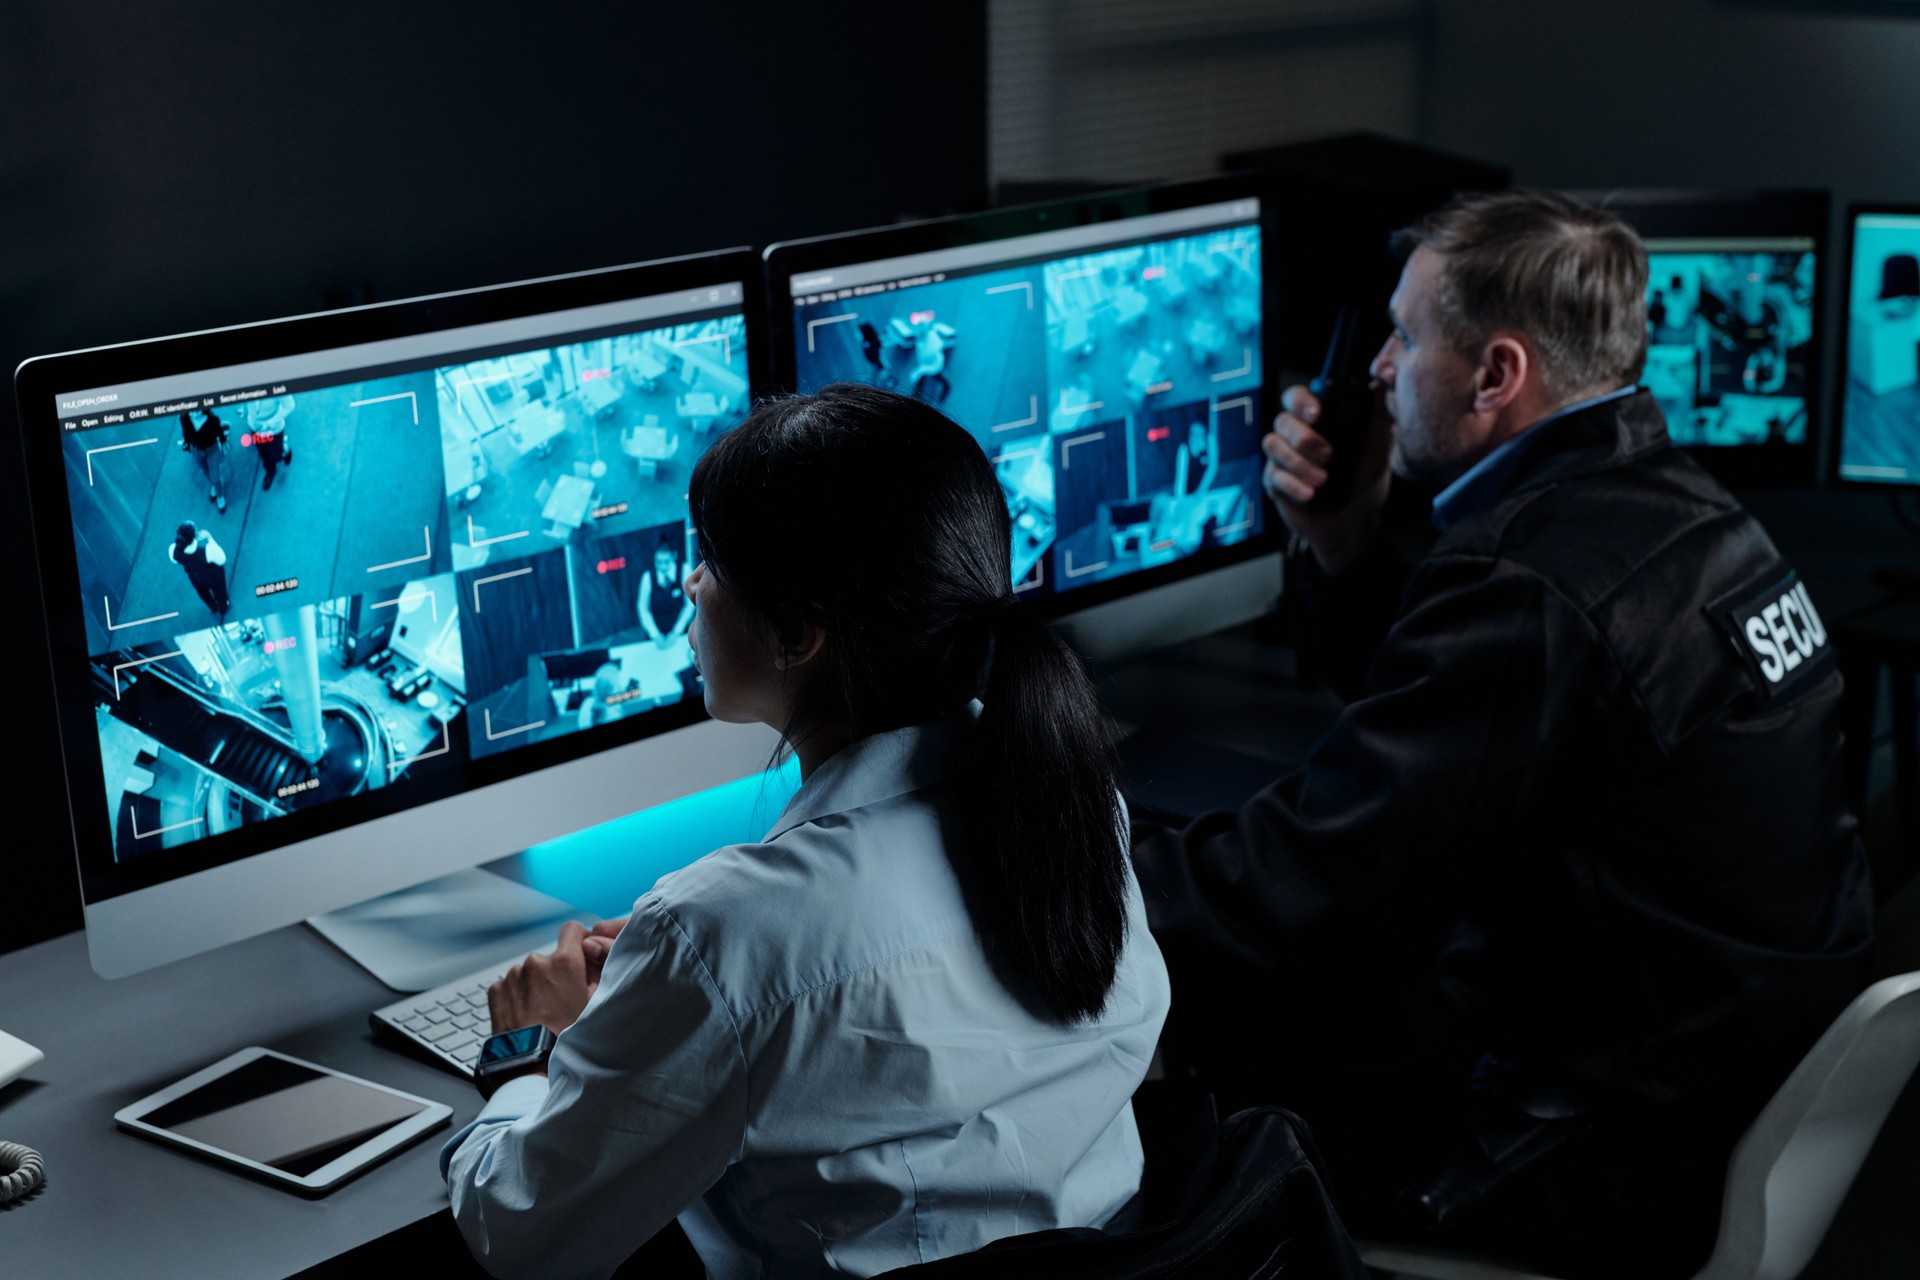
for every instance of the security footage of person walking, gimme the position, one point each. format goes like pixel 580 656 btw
pixel 302 592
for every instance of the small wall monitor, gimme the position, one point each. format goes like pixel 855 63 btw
pixel 1733 325
pixel 1879 400
pixel 342 603
pixel 1107 352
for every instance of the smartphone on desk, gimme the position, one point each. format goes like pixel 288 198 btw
pixel 297 1124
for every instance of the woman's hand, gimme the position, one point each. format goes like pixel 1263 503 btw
pixel 596 945
pixel 550 989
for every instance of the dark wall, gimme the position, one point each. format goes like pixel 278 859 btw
pixel 166 168
pixel 1680 93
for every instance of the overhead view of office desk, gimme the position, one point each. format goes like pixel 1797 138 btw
pixel 114 1204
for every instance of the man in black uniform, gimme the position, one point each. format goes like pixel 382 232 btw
pixel 1571 885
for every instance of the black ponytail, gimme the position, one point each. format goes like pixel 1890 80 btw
pixel 1055 879
pixel 876 518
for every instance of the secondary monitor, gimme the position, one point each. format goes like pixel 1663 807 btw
pixel 1733 324
pixel 1107 353
pixel 1879 401
pixel 342 603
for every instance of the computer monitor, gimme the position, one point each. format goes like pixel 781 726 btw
pixel 1108 353
pixel 1879 399
pixel 1733 325
pixel 342 603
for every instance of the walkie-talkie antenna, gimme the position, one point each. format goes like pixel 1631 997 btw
pixel 1339 345
pixel 1345 392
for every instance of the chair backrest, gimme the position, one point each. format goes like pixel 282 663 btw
pixel 1794 1165
pixel 1253 1208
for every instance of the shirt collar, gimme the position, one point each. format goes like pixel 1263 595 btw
pixel 877 767
pixel 1487 479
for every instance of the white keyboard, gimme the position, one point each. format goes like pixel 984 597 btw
pixel 449 1022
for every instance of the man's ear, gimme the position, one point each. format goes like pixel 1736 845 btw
pixel 1505 364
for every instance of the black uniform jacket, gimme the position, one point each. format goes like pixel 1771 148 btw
pixel 1590 791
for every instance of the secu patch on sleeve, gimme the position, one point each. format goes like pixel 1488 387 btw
pixel 1777 633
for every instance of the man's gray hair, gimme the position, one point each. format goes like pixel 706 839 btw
pixel 1569 276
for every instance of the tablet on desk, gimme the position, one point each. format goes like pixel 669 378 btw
pixel 295 1123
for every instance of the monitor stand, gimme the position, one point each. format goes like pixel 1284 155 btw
pixel 421 937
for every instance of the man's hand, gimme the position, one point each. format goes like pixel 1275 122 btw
pixel 550 989
pixel 1296 468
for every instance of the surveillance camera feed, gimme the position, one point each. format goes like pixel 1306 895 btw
pixel 1111 372
pixel 1730 333
pixel 1880 415
pixel 346 579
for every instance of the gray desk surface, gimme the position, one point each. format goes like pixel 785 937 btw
pixel 117 1205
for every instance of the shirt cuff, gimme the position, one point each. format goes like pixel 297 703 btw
pixel 518 1097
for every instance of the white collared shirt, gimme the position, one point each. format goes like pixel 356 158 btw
pixel 801 1050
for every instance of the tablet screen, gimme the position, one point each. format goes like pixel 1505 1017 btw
pixel 283 1115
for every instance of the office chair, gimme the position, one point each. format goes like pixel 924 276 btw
pixel 1793 1166
pixel 1233 1199
pixel 1900 277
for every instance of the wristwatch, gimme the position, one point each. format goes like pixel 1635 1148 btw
pixel 518 1052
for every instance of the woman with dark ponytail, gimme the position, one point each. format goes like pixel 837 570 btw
pixel 911 1021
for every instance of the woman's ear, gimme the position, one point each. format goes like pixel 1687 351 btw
pixel 803 650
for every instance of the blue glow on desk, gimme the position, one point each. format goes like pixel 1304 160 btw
pixel 604 868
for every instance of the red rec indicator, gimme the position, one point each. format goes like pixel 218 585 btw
pixel 588 375
pixel 248 439
pixel 280 646
pixel 1157 434
pixel 614 565
pixel 922 317
pixel 1153 273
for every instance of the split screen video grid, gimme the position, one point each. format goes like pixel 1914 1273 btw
pixel 299 596
pixel 1115 391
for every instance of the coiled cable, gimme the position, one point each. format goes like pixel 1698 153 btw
pixel 20 1171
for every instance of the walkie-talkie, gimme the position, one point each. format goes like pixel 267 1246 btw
pixel 1345 392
